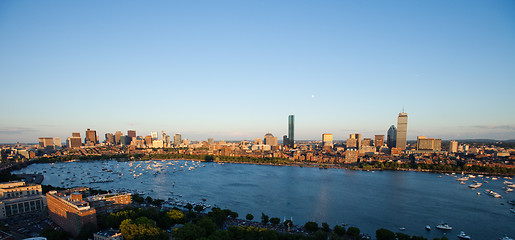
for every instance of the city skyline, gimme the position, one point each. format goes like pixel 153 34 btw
pixel 235 70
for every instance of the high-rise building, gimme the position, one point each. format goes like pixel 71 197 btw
pixel 148 141
pixel 356 136
pixel 391 137
pixel 402 130
pixel 285 141
pixel 366 143
pixel 57 142
pixel 453 146
pixel 46 142
pixel 428 144
pixel 351 143
pixel 291 130
pixel 74 142
pixel 91 137
pixel 177 139
pixel 76 134
pixel 270 139
pixel 131 133
pixel 117 136
pixel 110 139
pixel 210 141
pixel 154 135
pixel 378 141
pixel 327 139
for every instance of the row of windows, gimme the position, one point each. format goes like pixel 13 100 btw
pixel 20 193
pixel 23 207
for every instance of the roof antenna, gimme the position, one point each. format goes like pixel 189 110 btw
pixel 402 108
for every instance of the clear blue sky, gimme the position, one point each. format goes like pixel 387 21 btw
pixel 237 69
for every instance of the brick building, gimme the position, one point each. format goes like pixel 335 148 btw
pixel 18 198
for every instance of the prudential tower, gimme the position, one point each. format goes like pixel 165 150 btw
pixel 402 130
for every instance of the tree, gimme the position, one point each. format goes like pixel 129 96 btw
pixel 326 227
pixel 233 215
pixel 264 218
pixel 207 224
pixel 190 231
pixel 209 158
pixel 402 236
pixel 288 222
pixel 52 234
pixel 249 217
pixel 198 208
pixel 141 228
pixel 189 206
pixel 148 199
pixel 275 220
pixel 321 235
pixel 384 234
pixel 340 230
pixel 176 216
pixel 311 226
pixel 353 232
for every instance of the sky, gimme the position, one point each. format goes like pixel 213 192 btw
pixel 234 70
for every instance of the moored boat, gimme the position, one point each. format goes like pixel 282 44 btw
pixel 462 235
pixel 428 228
pixel 444 226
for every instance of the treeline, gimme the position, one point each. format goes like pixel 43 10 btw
pixel 437 167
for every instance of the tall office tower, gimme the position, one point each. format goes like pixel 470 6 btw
pixel 453 146
pixel 378 140
pixel 402 130
pixel 258 141
pixel 166 141
pixel 356 136
pixel 123 140
pixel 291 123
pixel 351 143
pixel 270 139
pixel 131 133
pixel 117 136
pixel 177 139
pixel 285 141
pixel 148 141
pixel 74 142
pixel 327 139
pixel 154 135
pixel 210 141
pixel 366 142
pixel 91 136
pixel 45 142
pixel 110 139
pixel 163 134
pixel 76 135
pixel 391 137
pixel 57 142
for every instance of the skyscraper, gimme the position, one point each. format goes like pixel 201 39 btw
pixel 327 139
pixel 131 133
pixel 391 137
pixel 91 136
pixel 378 141
pixel 453 146
pixel 402 130
pixel 291 139
pixel 117 136
pixel 177 139
pixel 270 139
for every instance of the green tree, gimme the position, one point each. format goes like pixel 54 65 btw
pixel 264 218
pixel 198 208
pixel 141 228
pixel 339 230
pixel 148 199
pixel 384 234
pixel 321 235
pixel 326 227
pixel 249 217
pixel 233 215
pixel 190 231
pixel 207 224
pixel 353 232
pixel 189 206
pixel 52 234
pixel 402 236
pixel 275 221
pixel 176 216
pixel 311 226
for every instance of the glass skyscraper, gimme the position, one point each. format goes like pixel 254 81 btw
pixel 291 141
pixel 391 137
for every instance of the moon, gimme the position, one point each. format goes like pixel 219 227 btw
pixel 312 95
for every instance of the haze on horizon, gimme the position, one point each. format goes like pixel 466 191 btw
pixel 235 70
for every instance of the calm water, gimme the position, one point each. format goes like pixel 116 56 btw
pixel 368 200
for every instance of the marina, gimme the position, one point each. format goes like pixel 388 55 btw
pixel 369 200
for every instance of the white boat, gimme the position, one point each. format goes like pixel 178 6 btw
pixel 506 238
pixel 475 185
pixel 428 227
pixel 462 235
pixel 444 226
pixel 462 179
pixel 512 210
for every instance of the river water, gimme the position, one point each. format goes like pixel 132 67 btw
pixel 368 200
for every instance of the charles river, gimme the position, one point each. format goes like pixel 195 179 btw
pixel 368 200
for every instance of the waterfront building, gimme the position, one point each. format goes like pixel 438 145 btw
pixel 428 144
pixel 378 141
pixel 351 156
pixel 327 139
pixel 402 130
pixel 453 146
pixel 291 131
pixel 148 141
pixel 46 142
pixel 57 142
pixel 270 139
pixel 131 133
pixel 108 234
pixel 391 137
pixel 18 198
pixel 356 136
pixel 117 136
pixel 74 142
pixel 109 139
pixel 71 211
pixel 91 137
pixel 177 139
